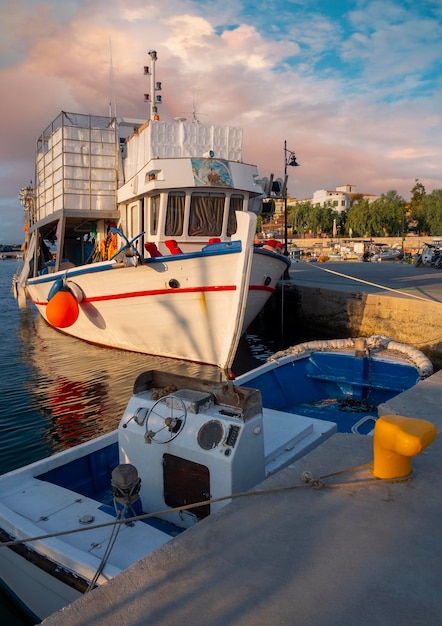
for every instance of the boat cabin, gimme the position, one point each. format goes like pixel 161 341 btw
pixel 157 188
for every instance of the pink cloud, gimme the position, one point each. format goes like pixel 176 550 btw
pixel 57 57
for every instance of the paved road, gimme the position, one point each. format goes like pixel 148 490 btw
pixel 401 278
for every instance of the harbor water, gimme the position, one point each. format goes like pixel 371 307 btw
pixel 57 392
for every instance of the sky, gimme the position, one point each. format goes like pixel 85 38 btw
pixel 353 86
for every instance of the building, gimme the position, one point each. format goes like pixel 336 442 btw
pixel 339 199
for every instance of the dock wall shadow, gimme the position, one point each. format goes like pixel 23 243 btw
pixel 316 312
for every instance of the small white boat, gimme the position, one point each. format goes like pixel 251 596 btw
pixel 378 252
pixel 141 235
pixel 180 441
pixel 183 447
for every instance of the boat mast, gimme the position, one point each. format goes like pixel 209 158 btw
pixel 153 98
pixel 112 99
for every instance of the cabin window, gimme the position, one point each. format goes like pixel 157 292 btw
pixel 175 214
pixel 236 204
pixel 154 214
pixel 206 214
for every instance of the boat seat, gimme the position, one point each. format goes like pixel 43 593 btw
pixel 173 246
pixel 152 249
pixel 273 245
pixel 222 246
pixel 289 436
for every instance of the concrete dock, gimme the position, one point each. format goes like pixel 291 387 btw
pixel 357 551
pixel 351 299
pixel 388 278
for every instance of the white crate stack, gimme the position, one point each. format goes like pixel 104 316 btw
pixel 77 164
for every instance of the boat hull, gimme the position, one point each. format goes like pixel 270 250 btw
pixel 267 269
pixel 36 592
pixel 191 306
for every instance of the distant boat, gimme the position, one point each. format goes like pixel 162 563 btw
pixel 141 235
pixel 382 252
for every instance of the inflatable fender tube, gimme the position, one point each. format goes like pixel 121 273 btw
pixel 75 290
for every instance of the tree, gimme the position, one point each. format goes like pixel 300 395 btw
pixel 298 216
pixel 320 219
pixel 388 214
pixel 356 198
pixel 359 219
pixel 416 213
pixel 431 211
pixel 418 193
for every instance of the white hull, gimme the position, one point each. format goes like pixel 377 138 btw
pixel 36 591
pixel 200 318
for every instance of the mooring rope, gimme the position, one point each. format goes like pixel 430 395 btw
pixel 377 285
pixel 308 480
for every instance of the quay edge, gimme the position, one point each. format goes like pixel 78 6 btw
pixel 393 299
pixel 364 552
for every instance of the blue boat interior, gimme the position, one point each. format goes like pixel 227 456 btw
pixel 90 476
pixel 334 387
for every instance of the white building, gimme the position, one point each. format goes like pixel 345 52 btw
pixel 340 198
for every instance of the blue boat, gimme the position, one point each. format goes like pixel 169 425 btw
pixel 339 380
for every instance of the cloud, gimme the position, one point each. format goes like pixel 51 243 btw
pixel 354 86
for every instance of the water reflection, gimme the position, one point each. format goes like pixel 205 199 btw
pixel 59 391
pixel 81 390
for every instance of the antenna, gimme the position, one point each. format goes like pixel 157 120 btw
pixel 112 100
pixel 194 111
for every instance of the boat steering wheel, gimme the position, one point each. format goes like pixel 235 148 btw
pixel 165 420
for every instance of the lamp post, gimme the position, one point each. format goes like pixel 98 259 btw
pixel 289 161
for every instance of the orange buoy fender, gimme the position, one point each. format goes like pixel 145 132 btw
pixel 62 309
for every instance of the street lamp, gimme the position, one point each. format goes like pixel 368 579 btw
pixel 289 161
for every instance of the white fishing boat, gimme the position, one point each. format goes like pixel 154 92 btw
pixel 140 235
pixel 181 441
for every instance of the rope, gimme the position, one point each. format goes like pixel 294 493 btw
pixel 307 479
pixel 404 293
pixel 112 539
pixel 367 282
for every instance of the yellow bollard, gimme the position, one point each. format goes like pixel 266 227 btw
pixel 396 440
